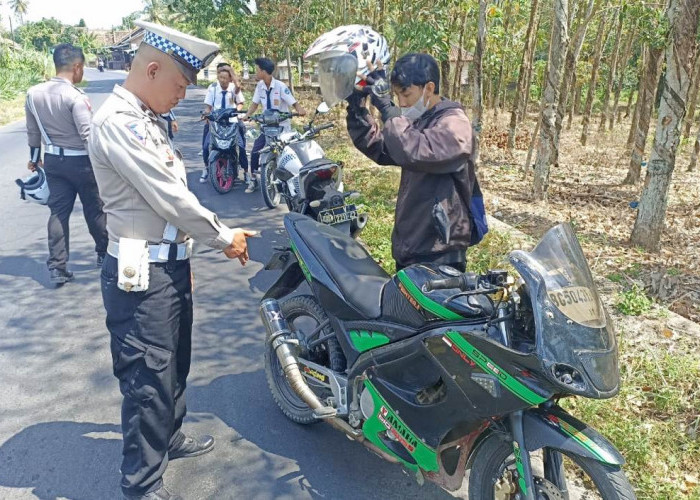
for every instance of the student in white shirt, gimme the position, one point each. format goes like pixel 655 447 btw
pixel 270 93
pixel 223 94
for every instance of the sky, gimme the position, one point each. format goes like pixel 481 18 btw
pixel 97 13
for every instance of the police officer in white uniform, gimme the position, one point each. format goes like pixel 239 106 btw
pixel 59 114
pixel 146 281
pixel 271 94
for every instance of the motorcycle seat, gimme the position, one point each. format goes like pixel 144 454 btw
pixel 359 278
pixel 318 162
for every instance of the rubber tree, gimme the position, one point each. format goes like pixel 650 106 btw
pixel 693 98
pixel 478 106
pixel 626 54
pixel 612 67
pixel 599 43
pixel 683 18
pixel 520 89
pixel 557 53
pixel 645 99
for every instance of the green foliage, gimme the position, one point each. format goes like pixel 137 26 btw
pixel 44 34
pixel 634 302
pixel 20 69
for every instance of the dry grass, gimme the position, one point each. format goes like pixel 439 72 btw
pixel 11 110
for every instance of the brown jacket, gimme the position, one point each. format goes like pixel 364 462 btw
pixel 434 155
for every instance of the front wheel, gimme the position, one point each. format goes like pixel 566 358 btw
pixel 222 173
pixel 494 475
pixel 268 185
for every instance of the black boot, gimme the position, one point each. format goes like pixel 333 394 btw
pixel 192 447
pixel 61 276
pixel 160 494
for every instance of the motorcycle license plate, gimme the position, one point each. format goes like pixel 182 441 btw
pixel 338 215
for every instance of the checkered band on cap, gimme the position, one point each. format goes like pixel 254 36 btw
pixel 165 45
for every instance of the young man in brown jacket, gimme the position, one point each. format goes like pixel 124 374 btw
pixel 430 138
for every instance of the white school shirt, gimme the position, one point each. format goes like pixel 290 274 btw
pixel 281 98
pixel 214 92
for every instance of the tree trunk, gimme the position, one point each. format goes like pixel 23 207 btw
pixel 605 115
pixel 693 99
pixel 634 123
pixel 528 79
pixel 646 96
pixel 557 53
pixel 382 10
pixel 445 76
pixel 599 39
pixel 289 69
pixel 478 106
pixel 683 16
pixel 621 77
pixel 572 55
pixel 578 89
pixel 694 155
pixel 457 84
pixel 499 82
pixel 520 89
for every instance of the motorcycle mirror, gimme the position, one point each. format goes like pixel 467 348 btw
pixel 323 108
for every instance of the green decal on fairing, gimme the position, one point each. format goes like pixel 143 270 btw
pixel 426 303
pixel 386 420
pixel 509 382
pixel 364 340
pixel 519 464
pixel 304 269
pixel 581 439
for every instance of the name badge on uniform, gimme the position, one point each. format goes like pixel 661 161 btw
pixel 276 102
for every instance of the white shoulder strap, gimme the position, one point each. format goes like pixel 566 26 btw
pixel 169 233
pixel 32 108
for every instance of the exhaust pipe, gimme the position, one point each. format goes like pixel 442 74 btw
pixel 280 339
pixel 357 225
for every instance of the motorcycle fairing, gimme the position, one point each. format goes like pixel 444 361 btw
pixel 404 443
pixel 291 277
pixel 574 333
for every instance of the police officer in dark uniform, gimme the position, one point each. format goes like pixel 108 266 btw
pixel 59 114
pixel 146 280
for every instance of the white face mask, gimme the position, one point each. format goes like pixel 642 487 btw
pixel 416 111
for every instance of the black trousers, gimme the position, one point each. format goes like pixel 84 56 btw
pixel 255 153
pixel 151 343
pixel 68 177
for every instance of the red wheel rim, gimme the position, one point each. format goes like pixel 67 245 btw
pixel 224 180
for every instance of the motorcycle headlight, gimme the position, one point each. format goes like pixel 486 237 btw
pixel 224 144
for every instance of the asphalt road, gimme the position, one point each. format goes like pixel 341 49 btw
pixel 59 402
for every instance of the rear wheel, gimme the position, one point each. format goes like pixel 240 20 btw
pixel 494 476
pixel 222 173
pixel 304 316
pixel 268 185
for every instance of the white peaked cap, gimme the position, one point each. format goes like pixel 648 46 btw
pixel 189 52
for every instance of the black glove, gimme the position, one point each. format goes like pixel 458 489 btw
pixel 356 100
pixel 379 91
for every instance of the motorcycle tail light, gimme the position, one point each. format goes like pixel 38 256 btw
pixel 326 174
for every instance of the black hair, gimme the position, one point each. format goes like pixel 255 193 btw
pixel 416 69
pixel 265 64
pixel 221 65
pixel 66 54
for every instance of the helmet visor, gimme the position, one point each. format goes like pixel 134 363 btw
pixel 336 76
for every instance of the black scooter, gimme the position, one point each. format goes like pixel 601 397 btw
pixel 224 143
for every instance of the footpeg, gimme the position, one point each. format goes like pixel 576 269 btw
pixel 325 412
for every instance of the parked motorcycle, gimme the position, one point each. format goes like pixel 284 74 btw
pixel 294 168
pixel 442 371
pixel 224 161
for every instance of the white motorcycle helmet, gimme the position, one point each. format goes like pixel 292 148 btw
pixel 34 187
pixel 343 53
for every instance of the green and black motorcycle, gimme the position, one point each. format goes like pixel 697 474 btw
pixel 444 372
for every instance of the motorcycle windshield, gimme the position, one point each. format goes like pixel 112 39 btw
pixel 336 77
pixel 574 334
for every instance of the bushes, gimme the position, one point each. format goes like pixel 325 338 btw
pixel 20 69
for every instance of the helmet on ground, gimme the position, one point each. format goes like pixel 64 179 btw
pixel 34 187
pixel 343 53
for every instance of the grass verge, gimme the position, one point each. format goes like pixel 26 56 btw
pixel 11 109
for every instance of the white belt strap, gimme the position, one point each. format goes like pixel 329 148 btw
pixel 59 151
pixel 32 108
pixel 169 236
pixel 184 251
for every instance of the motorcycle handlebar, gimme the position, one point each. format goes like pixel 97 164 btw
pixel 324 126
pixel 465 281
